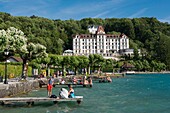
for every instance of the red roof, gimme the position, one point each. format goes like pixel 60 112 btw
pixel 17 59
pixel 127 65
pixel 100 29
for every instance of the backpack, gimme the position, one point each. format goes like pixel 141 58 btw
pixel 53 96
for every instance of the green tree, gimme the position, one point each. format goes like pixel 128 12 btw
pixel 15 40
pixel 74 62
pixel 146 65
pixel 65 63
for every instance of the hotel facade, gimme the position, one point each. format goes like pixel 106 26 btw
pixel 98 42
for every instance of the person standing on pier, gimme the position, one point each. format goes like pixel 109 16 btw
pixel 49 87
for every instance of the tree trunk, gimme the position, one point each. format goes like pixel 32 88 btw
pixel 89 70
pixel 24 69
pixel 113 70
pixel 63 70
pixel 48 70
pixel 75 70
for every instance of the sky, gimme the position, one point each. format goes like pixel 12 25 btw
pixel 79 9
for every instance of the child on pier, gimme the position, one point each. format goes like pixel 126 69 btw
pixel 49 87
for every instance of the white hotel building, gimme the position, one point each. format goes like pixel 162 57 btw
pixel 98 42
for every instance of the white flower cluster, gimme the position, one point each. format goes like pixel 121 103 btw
pixel 15 39
pixel 12 38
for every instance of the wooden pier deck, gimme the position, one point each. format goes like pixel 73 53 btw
pixel 31 100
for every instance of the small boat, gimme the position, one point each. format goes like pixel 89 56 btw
pixel 130 72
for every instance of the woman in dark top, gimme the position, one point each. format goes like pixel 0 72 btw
pixel 71 92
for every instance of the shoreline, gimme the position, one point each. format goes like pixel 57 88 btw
pixel 164 72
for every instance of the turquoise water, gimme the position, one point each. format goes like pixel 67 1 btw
pixel 133 94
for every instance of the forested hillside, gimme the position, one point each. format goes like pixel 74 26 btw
pixel 147 34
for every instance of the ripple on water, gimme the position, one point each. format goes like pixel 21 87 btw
pixel 132 94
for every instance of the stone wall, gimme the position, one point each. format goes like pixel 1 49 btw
pixel 15 88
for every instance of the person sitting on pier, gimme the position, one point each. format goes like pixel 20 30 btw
pixel 85 82
pixel 71 92
pixel 74 80
pixel 90 81
pixel 109 79
pixel 63 93
pixel 63 81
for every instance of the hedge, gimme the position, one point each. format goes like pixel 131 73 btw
pixel 13 70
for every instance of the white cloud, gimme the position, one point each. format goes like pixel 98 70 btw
pixel 55 9
pixel 138 13
pixel 167 19
pixel 94 8
pixel 28 8
pixel 4 0
pixel 101 14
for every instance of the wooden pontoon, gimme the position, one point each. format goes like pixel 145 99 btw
pixel 31 100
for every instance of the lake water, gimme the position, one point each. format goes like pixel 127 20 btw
pixel 148 93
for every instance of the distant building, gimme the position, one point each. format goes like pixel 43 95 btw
pixel 129 52
pixel 14 59
pixel 98 42
pixel 68 53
